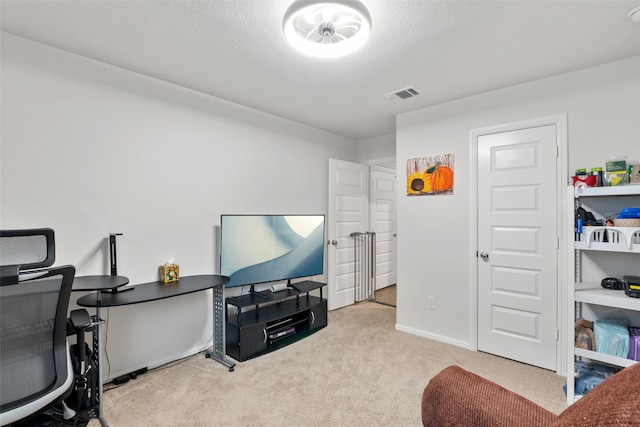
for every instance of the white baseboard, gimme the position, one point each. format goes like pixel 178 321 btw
pixel 435 337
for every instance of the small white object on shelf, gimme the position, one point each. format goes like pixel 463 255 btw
pixel 617 238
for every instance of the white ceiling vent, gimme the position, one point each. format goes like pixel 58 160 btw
pixel 403 94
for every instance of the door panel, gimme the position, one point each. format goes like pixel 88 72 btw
pixel 383 220
pixel 517 212
pixel 348 205
pixel 516 280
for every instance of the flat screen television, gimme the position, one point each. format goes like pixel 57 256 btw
pixel 257 249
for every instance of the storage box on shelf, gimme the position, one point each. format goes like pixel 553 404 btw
pixel 613 250
pixel 634 344
pixel 609 238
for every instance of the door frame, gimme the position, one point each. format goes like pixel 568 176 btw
pixel 377 164
pixel 562 173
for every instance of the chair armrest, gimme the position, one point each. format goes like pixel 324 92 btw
pixel 9 274
pixel 455 397
pixel 80 319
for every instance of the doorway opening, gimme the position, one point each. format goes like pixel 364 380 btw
pixel 387 295
pixel 362 203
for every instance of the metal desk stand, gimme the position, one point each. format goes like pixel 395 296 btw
pixel 218 351
pixel 98 284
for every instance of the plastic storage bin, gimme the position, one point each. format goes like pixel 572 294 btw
pixel 612 336
pixel 634 343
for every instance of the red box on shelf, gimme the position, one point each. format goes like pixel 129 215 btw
pixel 634 343
pixel 589 180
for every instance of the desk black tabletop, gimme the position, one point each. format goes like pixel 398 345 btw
pixel 98 283
pixel 153 291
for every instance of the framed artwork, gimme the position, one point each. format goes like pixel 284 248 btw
pixel 430 175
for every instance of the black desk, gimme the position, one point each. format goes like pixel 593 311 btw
pixel 98 283
pixel 154 291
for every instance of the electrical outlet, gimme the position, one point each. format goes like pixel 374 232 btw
pixel 431 303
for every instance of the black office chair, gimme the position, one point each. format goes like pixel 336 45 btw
pixel 25 250
pixel 35 362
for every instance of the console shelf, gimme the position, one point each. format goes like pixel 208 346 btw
pixel 270 320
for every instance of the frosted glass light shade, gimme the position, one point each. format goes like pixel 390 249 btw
pixel 327 29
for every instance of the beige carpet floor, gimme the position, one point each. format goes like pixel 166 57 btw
pixel 358 371
pixel 387 295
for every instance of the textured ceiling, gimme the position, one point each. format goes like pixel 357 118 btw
pixel 234 50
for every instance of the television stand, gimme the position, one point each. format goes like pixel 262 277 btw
pixel 277 319
pixel 261 294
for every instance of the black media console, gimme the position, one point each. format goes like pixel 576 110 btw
pixel 277 319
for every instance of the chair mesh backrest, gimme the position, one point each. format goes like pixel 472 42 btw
pixel 34 248
pixel 33 335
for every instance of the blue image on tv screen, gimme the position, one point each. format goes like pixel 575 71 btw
pixel 268 248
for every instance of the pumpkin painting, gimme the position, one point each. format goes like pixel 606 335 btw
pixel 430 175
pixel 418 182
pixel 442 179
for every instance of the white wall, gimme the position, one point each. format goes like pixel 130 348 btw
pixel 434 253
pixel 89 149
pixel 379 150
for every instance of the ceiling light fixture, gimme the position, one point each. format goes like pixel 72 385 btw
pixel 327 29
pixel 634 14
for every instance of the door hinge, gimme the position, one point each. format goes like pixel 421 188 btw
pixel 557 334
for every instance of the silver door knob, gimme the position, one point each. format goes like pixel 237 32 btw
pixel 484 255
pixel 333 242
